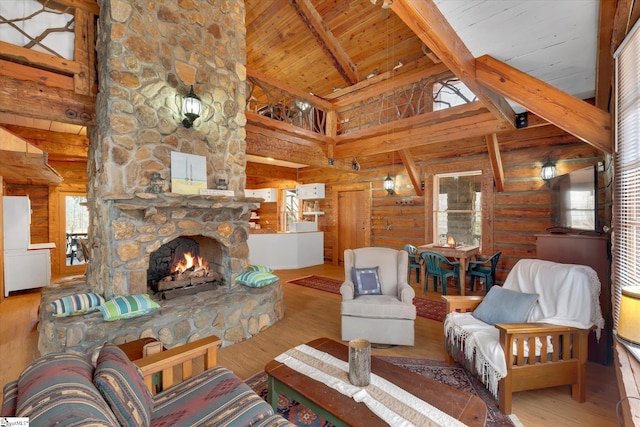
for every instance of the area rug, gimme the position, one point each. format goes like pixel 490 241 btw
pixel 451 375
pixel 434 310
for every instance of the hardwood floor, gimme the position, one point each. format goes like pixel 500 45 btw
pixel 311 314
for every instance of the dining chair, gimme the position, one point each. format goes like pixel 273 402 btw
pixel 440 268
pixel 413 261
pixel 484 267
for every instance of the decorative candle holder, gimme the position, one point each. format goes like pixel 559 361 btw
pixel 359 362
pixel 156 185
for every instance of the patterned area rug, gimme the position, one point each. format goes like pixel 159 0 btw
pixel 434 310
pixel 452 375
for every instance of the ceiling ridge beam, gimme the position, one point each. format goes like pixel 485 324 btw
pixel 571 114
pixel 427 22
pixel 327 41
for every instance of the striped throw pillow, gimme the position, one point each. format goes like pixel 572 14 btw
pixel 256 279
pixel 126 307
pixel 76 304
pixel 263 268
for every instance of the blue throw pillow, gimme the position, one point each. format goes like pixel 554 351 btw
pixel 505 306
pixel 366 281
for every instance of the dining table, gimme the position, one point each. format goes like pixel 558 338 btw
pixel 461 253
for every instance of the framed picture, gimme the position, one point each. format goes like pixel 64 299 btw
pixel 188 173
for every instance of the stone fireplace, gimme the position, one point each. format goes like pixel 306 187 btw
pixel 149 54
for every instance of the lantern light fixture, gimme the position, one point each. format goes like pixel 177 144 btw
pixel 388 184
pixel 191 108
pixel 548 171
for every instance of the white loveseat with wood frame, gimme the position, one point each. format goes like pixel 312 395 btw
pixel 548 306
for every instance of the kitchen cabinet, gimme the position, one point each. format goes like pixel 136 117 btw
pixel 310 191
pixel 282 251
pixel 26 265
pixel 268 194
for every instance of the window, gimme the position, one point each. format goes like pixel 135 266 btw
pixel 626 218
pixel 290 208
pixel 458 207
pixel 449 93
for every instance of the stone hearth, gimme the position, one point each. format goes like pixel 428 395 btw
pixel 233 316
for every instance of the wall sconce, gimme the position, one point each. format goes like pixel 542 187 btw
pixel 388 184
pixel 548 171
pixel 191 107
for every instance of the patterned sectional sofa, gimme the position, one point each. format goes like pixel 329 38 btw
pixel 67 389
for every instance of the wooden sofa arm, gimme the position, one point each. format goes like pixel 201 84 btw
pixel 183 355
pixel 461 304
pixel 564 364
pixel 573 340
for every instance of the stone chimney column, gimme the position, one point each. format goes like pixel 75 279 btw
pixel 149 54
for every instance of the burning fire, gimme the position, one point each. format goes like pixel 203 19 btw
pixel 190 262
pixel 451 242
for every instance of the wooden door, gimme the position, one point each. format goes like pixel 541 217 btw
pixel 353 222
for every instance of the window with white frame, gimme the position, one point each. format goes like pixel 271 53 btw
pixel 626 218
pixel 457 207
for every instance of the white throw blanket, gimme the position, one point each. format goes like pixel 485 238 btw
pixel 569 296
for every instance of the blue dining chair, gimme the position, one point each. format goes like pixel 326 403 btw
pixel 440 268
pixel 484 267
pixel 413 261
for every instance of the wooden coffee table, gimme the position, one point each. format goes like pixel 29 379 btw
pixel 342 410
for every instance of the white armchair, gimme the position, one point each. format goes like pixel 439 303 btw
pixel 385 315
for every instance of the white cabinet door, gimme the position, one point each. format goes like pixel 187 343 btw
pixel 26 270
pixel 310 191
pixel 268 194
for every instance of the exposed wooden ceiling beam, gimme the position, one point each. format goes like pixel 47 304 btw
pixel 38 59
pixel 604 58
pixel 88 5
pixel 454 129
pixel 326 40
pixel 269 143
pixel 412 170
pixel 53 143
pixel 496 161
pixel 30 99
pixel 271 171
pixel 623 21
pixel 426 20
pixel 414 122
pixel 579 118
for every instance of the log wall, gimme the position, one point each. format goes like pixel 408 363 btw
pixel 516 214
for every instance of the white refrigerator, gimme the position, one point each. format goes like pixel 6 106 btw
pixel 26 266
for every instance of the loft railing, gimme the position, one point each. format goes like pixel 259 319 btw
pixel 273 99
